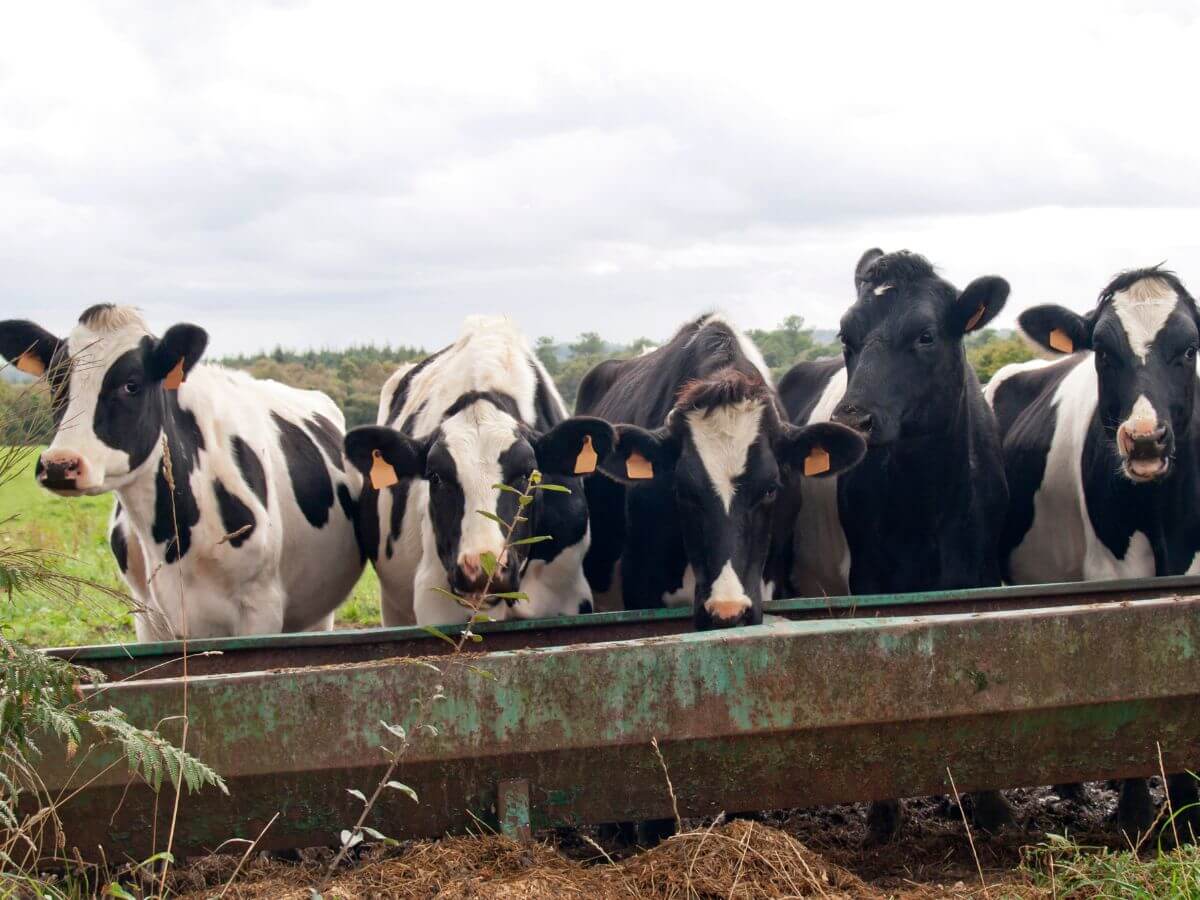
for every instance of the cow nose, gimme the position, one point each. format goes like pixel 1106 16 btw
pixel 60 469
pixel 470 577
pixel 852 417
pixel 726 612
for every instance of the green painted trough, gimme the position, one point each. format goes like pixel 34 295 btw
pixel 550 723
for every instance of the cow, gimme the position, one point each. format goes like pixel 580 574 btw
pixel 924 509
pixel 479 413
pixel 690 519
pixel 1101 450
pixel 235 510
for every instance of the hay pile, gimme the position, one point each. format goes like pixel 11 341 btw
pixel 739 860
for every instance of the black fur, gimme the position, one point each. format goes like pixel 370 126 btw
pixel 251 468
pixel 328 436
pixel 235 515
pixel 306 469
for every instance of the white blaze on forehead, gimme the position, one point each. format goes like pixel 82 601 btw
pixel 882 289
pixel 723 437
pixel 1143 310
pixel 476 438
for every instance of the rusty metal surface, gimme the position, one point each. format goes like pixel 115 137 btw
pixel 264 652
pixel 790 713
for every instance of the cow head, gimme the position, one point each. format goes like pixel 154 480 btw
pixel 903 344
pixel 482 443
pixel 1143 338
pixel 725 453
pixel 109 401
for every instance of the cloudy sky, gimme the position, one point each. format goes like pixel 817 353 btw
pixel 328 173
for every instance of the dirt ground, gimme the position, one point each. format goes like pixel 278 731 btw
pixel 795 853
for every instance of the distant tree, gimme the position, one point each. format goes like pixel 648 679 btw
pixel 547 352
pixel 589 344
pixel 987 351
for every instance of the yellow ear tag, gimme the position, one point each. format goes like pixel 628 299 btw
pixel 382 473
pixel 29 364
pixel 975 318
pixel 816 462
pixel 585 462
pixel 1060 342
pixel 175 377
pixel 637 467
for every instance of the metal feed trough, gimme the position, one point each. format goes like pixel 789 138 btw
pixel 829 701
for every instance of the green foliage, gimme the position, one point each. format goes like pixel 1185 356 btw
pixel 789 344
pixel 1063 868
pixel 988 350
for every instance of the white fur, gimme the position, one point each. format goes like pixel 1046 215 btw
pixel 821 555
pixel 748 347
pixel 1143 415
pixel 285 568
pixel 489 355
pixel 723 437
pixel 1143 310
pixel 728 589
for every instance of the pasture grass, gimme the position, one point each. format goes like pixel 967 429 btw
pixel 1059 867
pixel 77 530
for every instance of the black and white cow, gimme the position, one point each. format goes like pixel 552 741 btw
pixel 258 534
pixel 478 413
pixel 1101 449
pixel 702 412
pixel 924 508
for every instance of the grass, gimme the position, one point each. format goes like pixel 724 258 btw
pixel 77 529
pixel 1061 868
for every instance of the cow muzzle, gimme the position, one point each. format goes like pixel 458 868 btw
pixel 63 472
pixel 470 580
pixel 1145 448
pixel 727 612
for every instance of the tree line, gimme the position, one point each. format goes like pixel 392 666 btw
pixel 353 377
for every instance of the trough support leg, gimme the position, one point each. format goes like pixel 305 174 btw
pixel 512 808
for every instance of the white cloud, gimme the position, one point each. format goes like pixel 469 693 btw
pixel 334 172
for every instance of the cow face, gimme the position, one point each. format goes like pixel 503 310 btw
pixel 1144 337
pixel 480 444
pixel 724 454
pixel 107 380
pixel 903 345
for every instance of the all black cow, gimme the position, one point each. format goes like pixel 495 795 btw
pixel 702 454
pixel 924 508
pixel 1101 454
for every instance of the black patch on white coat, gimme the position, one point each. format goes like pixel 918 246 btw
pixel 400 395
pixel 306 469
pixel 177 513
pixel 328 436
pixel 350 509
pixel 119 543
pixel 251 468
pixel 129 411
pixel 235 515
pixel 547 412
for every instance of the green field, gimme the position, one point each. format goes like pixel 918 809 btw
pixel 77 531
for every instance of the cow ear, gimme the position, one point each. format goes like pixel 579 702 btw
pixel 574 447
pixel 864 264
pixel 1057 328
pixel 384 455
pixel 979 303
pixel 821 449
pixel 27 346
pixel 640 455
pixel 174 355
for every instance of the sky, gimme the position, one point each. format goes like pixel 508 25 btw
pixel 323 174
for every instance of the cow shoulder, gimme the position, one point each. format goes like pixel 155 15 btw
pixel 1019 386
pixel 596 384
pixel 803 385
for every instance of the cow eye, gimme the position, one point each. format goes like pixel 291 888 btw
pixel 1189 355
pixel 434 479
pixel 132 388
pixel 926 338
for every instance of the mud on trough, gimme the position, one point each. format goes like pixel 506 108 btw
pixel 799 853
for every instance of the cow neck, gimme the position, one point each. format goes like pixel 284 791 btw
pixel 140 498
pixel 928 472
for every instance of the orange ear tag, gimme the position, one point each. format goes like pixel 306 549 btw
pixel 29 364
pixel 637 467
pixel 382 473
pixel 1060 342
pixel 585 462
pixel 975 318
pixel 175 377
pixel 816 462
